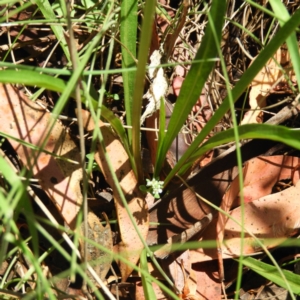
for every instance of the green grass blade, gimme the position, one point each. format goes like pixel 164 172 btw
pixel 12 204
pixel 48 13
pixel 282 34
pixel 144 45
pixel 146 280
pixel 32 78
pixel 277 133
pixel 271 273
pixel 13 12
pixel 9 202
pixel 195 80
pixel 292 43
pixel 128 33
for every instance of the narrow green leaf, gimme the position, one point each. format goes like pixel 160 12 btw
pixel 292 43
pixel 195 80
pixel 10 205
pixel 271 273
pixel 48 13
pixel 16 202
pixel 11 11
pixel 277 133
pixel 128 33
pixel 239 88
pixel 144 45
pixel 146 280
pixel 32 78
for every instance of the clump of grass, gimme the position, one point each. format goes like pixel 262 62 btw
pixel 110 25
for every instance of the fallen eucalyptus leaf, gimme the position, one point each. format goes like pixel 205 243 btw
pixel 131 245
pixel 60 178
pixel 272 219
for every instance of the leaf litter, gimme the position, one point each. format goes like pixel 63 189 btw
pixel 270 182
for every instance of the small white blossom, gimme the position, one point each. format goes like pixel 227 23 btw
pixel 156 186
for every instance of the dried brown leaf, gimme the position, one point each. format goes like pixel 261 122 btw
pixel 60 179
pixel 131 245
pixel 260 176
pixel 204 280
pixel 271 217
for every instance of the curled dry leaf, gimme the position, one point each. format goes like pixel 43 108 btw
pixel 272 78
pixel 131 245
pixel 272 218
pixel 59 178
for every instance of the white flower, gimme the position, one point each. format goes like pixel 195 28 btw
pixel 156 186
